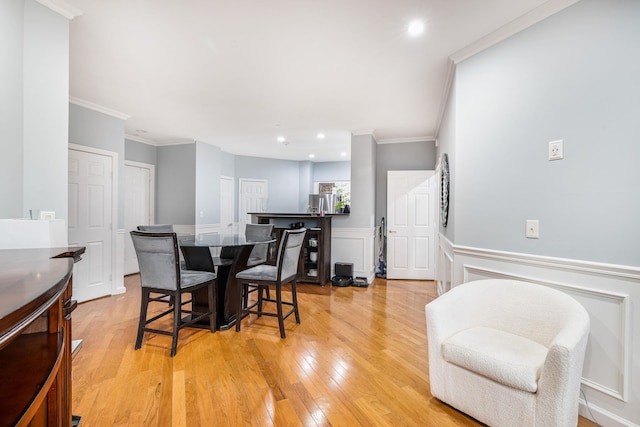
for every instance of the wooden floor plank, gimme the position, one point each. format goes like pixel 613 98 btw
pixel 359 358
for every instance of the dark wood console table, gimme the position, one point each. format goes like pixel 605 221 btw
pixel 35 336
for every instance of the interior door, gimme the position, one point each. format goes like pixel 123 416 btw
pixel 227 205
pixel 411 225
pixel 138 206
pixel 253 198
pixel 90 222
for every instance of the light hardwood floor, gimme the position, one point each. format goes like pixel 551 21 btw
pixel 359 358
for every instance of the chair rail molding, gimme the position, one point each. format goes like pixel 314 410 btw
pixel 609 292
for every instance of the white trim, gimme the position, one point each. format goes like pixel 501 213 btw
pixel 519 24
pixel 114 206
pixel 117 286
pixel 95 107
pixel 152 184
pixel 444 97
pixel 140 139
pixel 622 271
pixel 406 140
pixel 61 8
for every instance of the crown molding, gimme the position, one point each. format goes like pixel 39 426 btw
pixel 525 21
pixel 444 97
pixel 406 140
pixel 140 139
pixel 99 108
pixel 61 8
pixel 364 132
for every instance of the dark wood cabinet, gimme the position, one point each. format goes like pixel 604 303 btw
pixel 35 336
pixel 315 260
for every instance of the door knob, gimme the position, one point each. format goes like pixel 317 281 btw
pixel 392 231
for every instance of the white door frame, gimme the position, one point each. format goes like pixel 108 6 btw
pixel 152 203
pixel 225 227
pixel 411 272
pixel 152 186
pixel 114 206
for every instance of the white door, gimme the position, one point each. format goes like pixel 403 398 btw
pixel 90 222
pixel 411 225
pixel 138 206
pixel 253 198
pixel 227 205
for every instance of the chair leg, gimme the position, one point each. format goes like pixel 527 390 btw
pixel 260 288
pixel 177 319
pixel 213 317
pixel 144 303
pixel 242 292
pixel 279 307
pixel 294 300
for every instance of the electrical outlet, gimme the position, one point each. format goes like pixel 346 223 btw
pixel 533 229
pixel 555 150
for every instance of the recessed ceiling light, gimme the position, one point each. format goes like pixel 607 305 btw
pixel 311 156
pixel 320 136
pixel 343 154
pixel 416 28
pixel 281 139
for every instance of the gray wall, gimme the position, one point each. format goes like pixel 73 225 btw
pixel 574 76
pixel 447 145
pixel 34 82
pixel 331 171
pixel 98 130
pixel 176 185
pixel 139 152
pixel 305 179
pixel 363 195
pixel 207 183
pixel 11 108
pixel 404 156
pixel 282 176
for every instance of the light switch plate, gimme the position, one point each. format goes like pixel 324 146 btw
pixel 533 229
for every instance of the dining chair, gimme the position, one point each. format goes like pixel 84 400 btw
pixel 285 271
pixel 160 275
pixel 157 228
pixel 259 253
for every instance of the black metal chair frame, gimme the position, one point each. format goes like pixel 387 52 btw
pixel 243 309
pixel 175 301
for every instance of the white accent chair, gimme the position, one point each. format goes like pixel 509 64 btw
pixel 507 352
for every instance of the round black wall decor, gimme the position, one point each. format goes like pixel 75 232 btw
pixel 444 190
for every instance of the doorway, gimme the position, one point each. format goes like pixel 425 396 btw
pixel 139 203
pixel 253 198
pixel 91 213
pixel 227 205
pixel 411 226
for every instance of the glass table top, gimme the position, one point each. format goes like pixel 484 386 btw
pixel 220 240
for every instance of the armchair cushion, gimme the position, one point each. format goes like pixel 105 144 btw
pixel 509 359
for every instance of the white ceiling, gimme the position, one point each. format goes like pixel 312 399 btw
pixel 239 73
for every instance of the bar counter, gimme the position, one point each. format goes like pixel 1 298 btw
pixel 35 335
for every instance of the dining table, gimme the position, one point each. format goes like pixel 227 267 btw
pixel 234 254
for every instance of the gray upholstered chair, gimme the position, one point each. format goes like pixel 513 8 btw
pixel 285 271
pixel 157 228
pixel 259 252
pixel 160 274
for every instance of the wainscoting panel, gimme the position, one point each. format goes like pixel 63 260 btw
pixel 357 246
pixel 609 314
pixel 611 295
